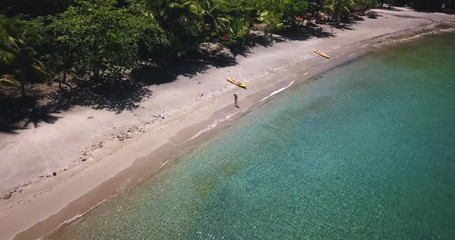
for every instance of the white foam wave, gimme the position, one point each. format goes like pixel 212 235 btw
pixel 71 220
pixel 218 121
pixel 213 125
pixel 278 91
pixel 164 164
pixel 210 127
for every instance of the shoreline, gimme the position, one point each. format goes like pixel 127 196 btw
pixel 41 207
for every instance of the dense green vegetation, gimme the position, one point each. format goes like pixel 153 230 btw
pixel 91 38
pixel 94 40
pixel 19 39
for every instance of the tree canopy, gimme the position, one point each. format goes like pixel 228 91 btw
pixel 97 36
pixel 18 55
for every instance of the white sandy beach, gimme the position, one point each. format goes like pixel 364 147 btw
pixel 97 153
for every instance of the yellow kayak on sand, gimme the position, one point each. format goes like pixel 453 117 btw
pixel 321 53
pixel 233 81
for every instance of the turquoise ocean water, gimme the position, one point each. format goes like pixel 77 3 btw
pixel 366 151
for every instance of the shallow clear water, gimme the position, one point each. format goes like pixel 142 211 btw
pixel 364 152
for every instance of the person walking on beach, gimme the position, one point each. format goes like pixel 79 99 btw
pixel 235 100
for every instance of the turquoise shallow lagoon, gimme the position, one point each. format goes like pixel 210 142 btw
pixel 366 151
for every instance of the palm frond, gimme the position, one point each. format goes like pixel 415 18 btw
pixel 39 68
pixel 147 14
pixel 9 80
pixel 6 57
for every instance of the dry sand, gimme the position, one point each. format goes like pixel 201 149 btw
pixel 97 153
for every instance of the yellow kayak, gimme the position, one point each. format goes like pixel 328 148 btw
pixel 321 53
pixel 233 81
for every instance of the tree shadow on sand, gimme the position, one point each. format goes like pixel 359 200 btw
pixel 156 74
pixel 113 93
pixel 252 41
pixel 302 33
pixel 18 113
pixel 124 92
pixel 306 32
pixel 346 24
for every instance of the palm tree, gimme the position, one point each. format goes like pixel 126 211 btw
pixel 339 7
pixel 240 30
pixel 165 11
pixel 181 19
pixel 214 16
pixel 314 6
pixel 18 39
pixel 273 20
